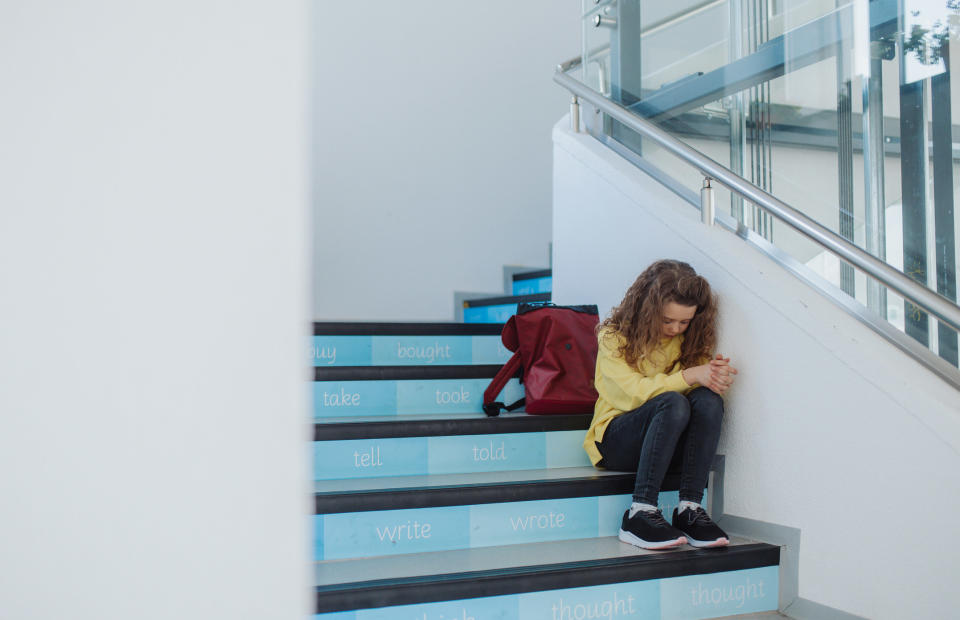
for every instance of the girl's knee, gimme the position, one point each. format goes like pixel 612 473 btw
pixel 706 404
pixel 675 408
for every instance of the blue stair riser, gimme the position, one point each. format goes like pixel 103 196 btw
pixel 489 314
pixel 532 286
pixel 712 595
pixel 332 399
pixel 413 456
pixel 407 350
pixel 444 528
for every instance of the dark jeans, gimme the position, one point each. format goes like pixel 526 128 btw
pixel 645 438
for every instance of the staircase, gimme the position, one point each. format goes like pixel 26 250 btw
pixel 428 510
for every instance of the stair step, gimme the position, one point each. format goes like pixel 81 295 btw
pixel 396 344
pixel 372 427
pixel 350 391
pixel 393 483
pixel 404 447
pixel 335 496
pixel 532 282
pixel 568 579
pixel 474 510
pixel 412 328
pixel 497 309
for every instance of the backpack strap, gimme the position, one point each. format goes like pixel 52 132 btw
pixel 508 371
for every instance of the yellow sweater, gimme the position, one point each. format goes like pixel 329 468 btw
pixel 622 388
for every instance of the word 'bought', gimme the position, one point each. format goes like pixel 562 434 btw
pixel 428 354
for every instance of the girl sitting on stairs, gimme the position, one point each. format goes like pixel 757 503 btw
pixel 659 390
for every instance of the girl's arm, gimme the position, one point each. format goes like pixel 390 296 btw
pixel 624 388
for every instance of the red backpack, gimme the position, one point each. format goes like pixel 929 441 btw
pixel 555 356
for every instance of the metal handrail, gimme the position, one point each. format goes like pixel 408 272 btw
pixel 935 304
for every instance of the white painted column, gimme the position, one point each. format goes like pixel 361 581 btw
pixel 153 307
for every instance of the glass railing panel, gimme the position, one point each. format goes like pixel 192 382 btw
pixel 844 110
pixel 596 44
pixel 787 15
pixel 680 40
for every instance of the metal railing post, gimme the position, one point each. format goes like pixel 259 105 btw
pixel 575 115
pixel 708 203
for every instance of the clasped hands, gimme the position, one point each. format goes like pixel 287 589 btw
pixel 717 374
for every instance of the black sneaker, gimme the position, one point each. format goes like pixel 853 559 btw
pixel 699 528
pixel 649 530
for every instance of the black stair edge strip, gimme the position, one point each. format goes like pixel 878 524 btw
pixel 333 328
pixel 331 502
pixel 505 581
pixel 507 299
pixel 481 425
pixel 404 373
pixel 532 275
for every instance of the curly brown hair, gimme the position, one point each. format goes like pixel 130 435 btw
pixel 638 317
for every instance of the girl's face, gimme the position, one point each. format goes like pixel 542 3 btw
pixel 676 318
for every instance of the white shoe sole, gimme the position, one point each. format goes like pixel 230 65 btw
pixel 720 542
pixel 636 541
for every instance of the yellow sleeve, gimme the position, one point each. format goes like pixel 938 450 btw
pixel 623 388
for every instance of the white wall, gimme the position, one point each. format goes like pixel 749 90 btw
pixel 433 140
pixel 153 305
pixel 829 429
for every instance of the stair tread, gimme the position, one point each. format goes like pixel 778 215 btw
pixel 330 573
pixel 432 425
pixel 412 328
pixel 400 418
pixel 755 616
pixel 567 566
pixel 487 488
pixel 530 275
pixel 440 417
pixel 506 299
pixel 460 480
pixel 405 373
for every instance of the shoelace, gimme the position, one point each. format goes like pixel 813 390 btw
pixel 699 516
pixel 654 516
